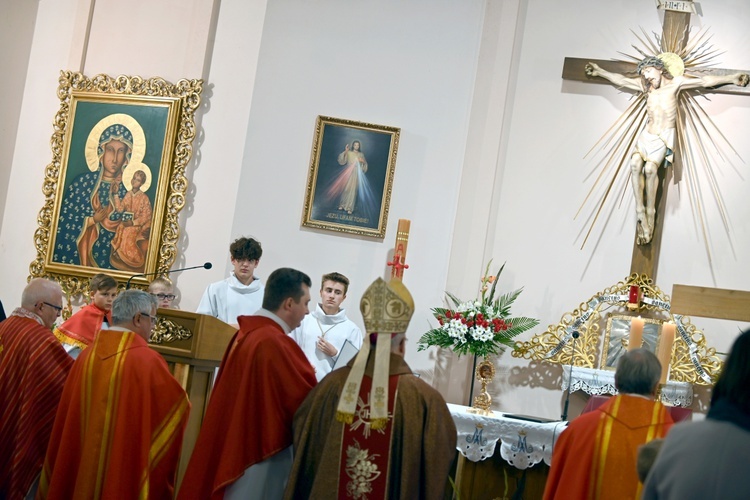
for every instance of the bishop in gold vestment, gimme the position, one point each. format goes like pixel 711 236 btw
pixel 373 429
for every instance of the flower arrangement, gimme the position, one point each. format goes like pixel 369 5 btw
pixel 481 327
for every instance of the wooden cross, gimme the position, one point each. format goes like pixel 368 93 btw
pixel 710 302
pixel 676 23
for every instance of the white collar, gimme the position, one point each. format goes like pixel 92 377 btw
pixel 268 314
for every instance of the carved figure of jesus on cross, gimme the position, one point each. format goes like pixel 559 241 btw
pixel 659 79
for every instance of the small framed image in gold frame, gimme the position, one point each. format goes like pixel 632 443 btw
pixel 350 179
pixel 617 335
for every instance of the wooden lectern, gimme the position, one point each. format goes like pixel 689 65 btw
pixel 193 345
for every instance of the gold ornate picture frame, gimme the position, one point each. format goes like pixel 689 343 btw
pixel 116 182
pixel 350 179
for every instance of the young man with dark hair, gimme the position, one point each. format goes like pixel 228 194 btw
pixel 79 330
pixel 324 331
pixel 241 294
pixel 244 446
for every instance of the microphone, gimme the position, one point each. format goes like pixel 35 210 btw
pixel 207 265
pixel 570 376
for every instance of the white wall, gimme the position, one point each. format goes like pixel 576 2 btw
pixel 402 64
pixel 554 124
pixel 490 163
pixel 17 18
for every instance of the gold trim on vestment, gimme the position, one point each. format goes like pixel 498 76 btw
pixel 606 424
pixel 113 399
pixel 161 440
pixel 64 339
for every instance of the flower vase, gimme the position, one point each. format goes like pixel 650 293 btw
pixel 485 372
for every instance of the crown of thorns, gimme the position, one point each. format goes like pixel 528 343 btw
pixel 650 62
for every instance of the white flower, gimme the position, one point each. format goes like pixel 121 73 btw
pixel 481 333
pixel 456 329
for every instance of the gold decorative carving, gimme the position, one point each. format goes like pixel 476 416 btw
pixel 183 99
pixel 692 360
pixel 166 331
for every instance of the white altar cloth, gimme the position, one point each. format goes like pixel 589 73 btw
pixel 597 382
pixel 523 443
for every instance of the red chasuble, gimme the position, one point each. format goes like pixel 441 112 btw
pixel 79 330
pixel 118 430
pixel 596 455
pixel 263 379
pixel 33 369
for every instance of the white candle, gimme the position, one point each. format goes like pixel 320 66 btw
pixel 665 349
pixel 636 333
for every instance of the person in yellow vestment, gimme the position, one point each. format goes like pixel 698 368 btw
pixel 596 455
pixel 119 427
pixel 372 429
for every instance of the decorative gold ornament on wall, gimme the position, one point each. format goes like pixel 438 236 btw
pixel 693 361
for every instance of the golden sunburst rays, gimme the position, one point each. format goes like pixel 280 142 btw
pixel 700 145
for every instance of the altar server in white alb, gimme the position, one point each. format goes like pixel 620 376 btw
pixel 323 332
pixel 241 294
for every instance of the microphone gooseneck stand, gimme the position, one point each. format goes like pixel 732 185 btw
pixel 570 377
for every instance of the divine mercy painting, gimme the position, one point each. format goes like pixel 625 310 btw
pixel 350 177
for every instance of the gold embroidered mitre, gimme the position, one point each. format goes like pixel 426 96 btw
pixel 386 307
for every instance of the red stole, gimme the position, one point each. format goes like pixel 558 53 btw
pixel 365 453
pixel 81 328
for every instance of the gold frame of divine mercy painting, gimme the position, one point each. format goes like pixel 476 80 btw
pixel 95 218
pixel 349 187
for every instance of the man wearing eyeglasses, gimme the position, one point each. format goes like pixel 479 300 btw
pixel 119 426
pixel 33 368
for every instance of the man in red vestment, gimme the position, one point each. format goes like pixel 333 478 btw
pixel 595 457
pixel 372 429
pixel 33 369
pixel 244 446
pixel 118 430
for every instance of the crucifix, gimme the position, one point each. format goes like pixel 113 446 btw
pixel 659 79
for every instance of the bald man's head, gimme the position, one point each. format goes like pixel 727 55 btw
pixel 44 298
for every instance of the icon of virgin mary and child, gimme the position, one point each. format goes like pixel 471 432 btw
pixel 105 215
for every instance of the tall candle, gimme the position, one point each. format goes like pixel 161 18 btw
pixel 665 349
pixel 636 333
pixel 399 253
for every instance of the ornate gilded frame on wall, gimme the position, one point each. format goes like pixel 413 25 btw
pixel 95 218
pixel 351 176
pixel 693 361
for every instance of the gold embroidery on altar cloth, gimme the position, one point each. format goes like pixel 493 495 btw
pixel 362 471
